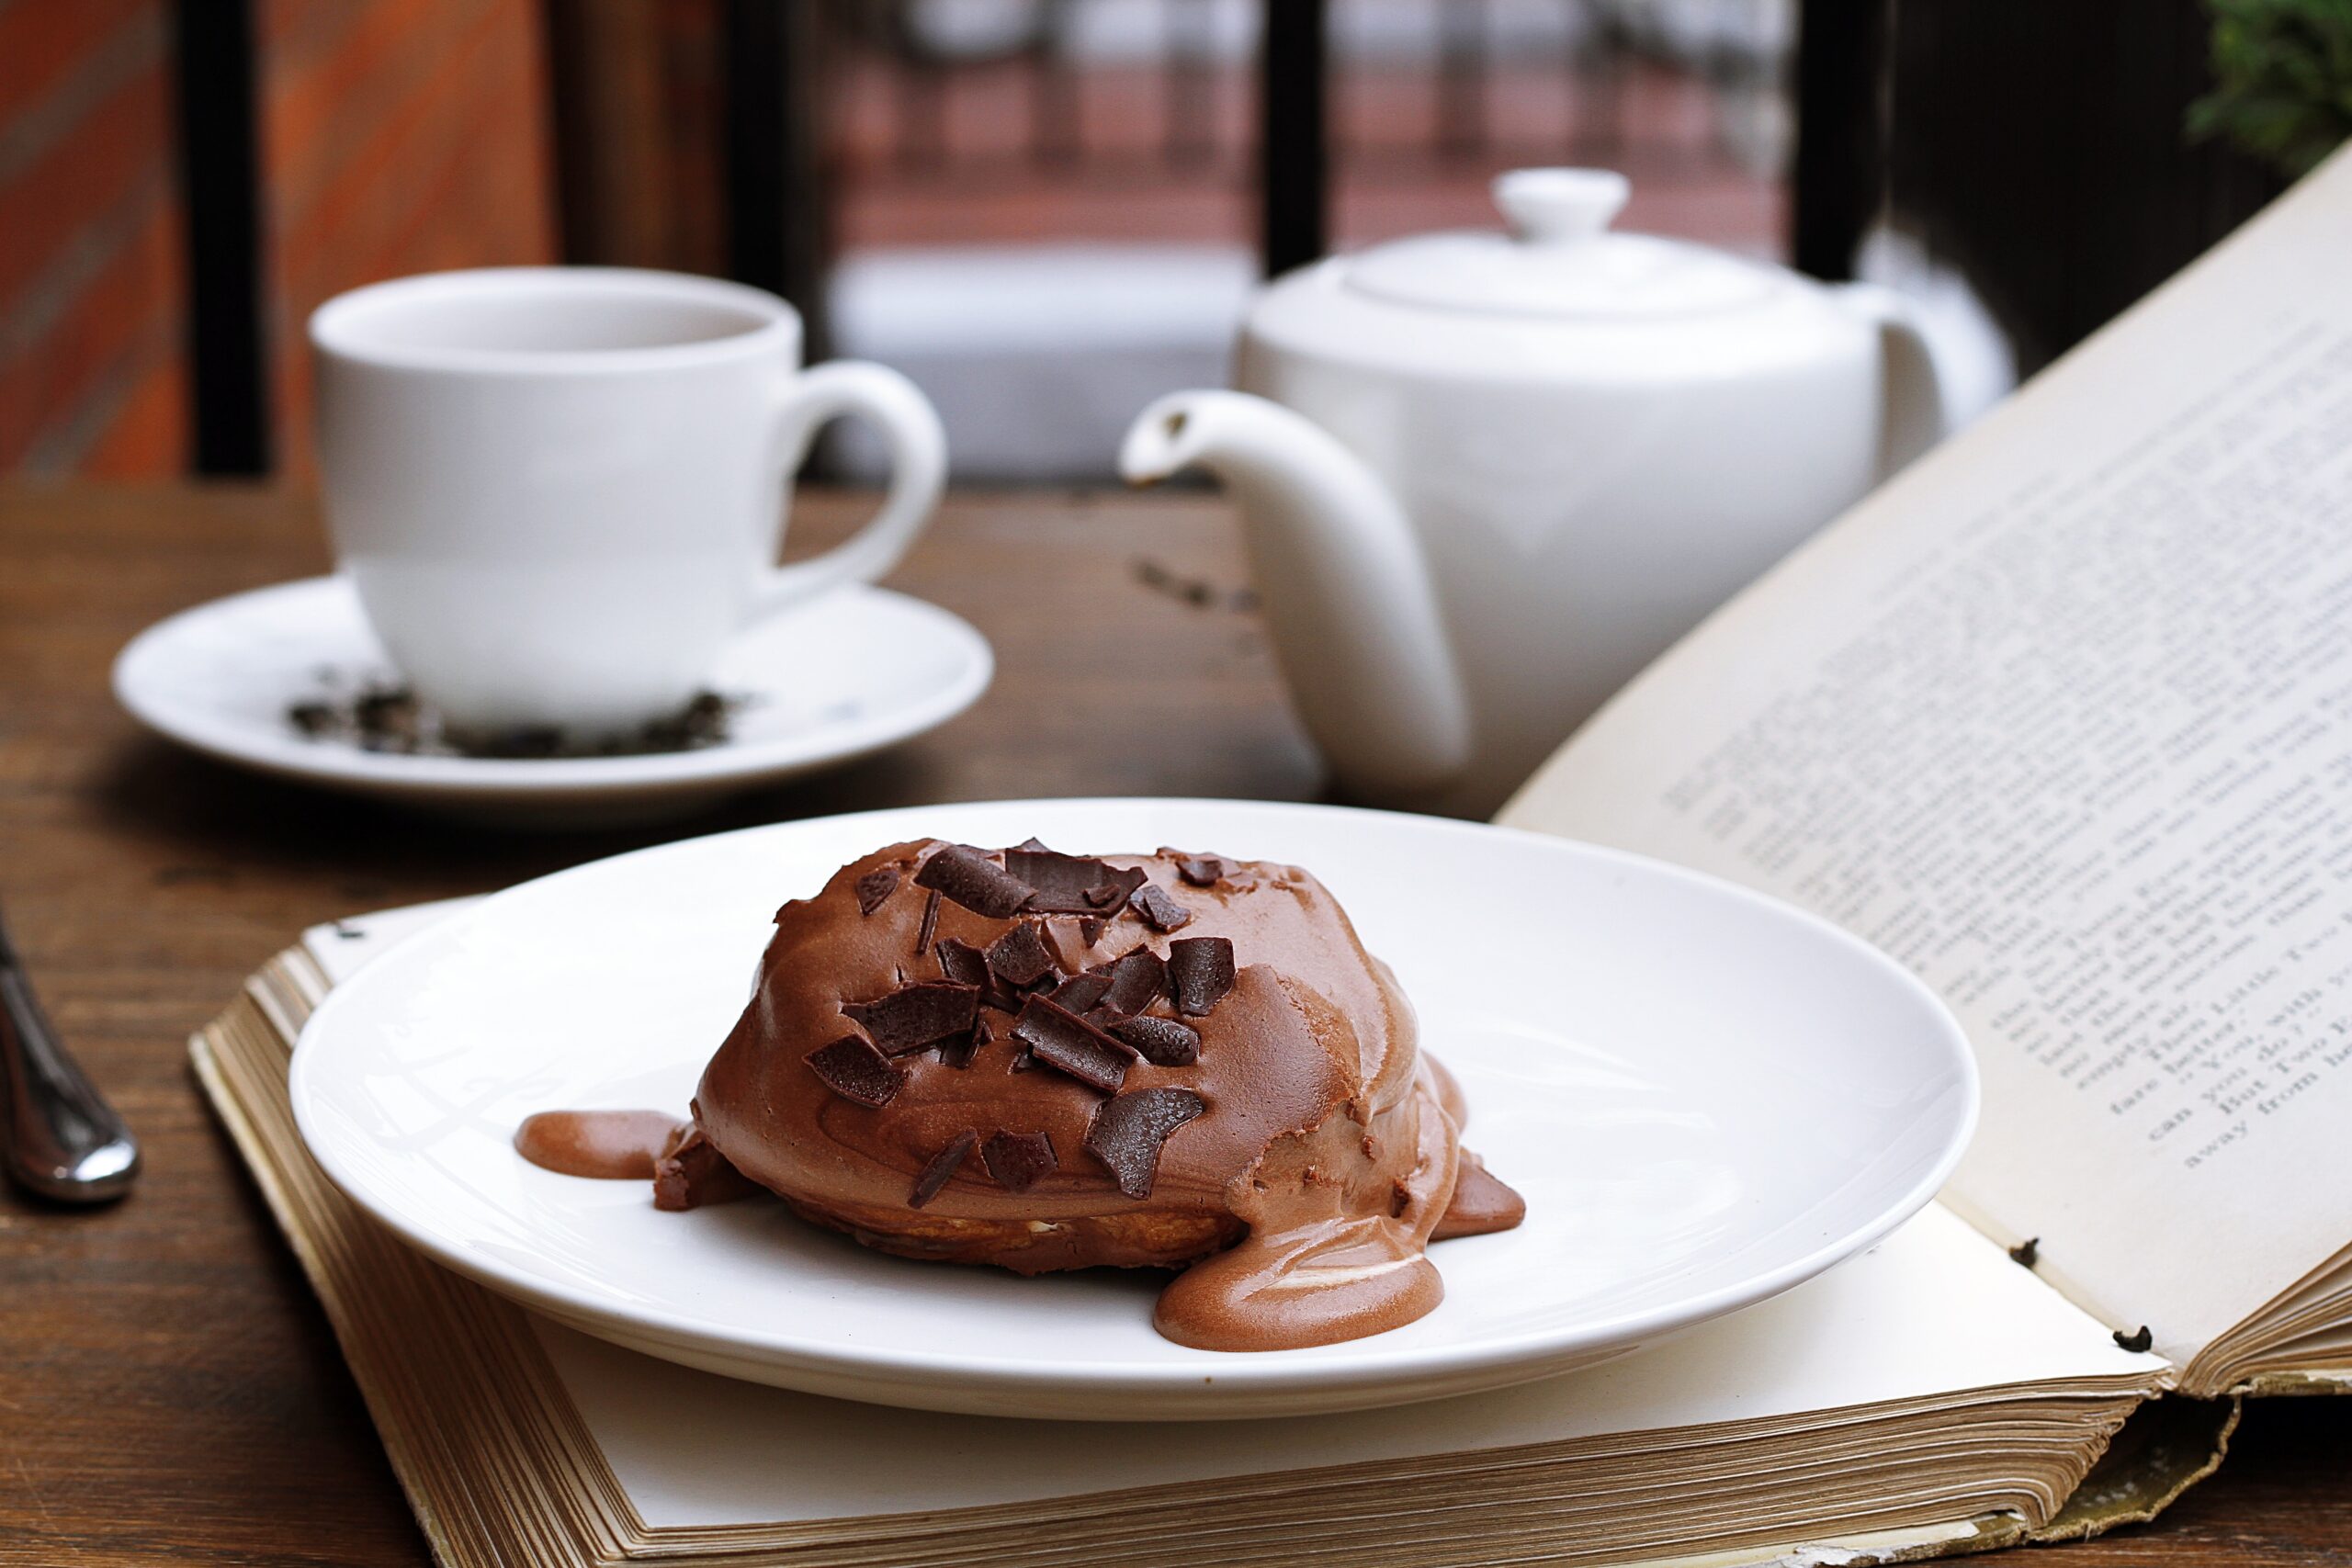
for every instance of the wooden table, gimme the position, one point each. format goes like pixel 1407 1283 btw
pixel 168 1390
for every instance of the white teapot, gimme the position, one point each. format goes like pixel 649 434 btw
pixel 1486 478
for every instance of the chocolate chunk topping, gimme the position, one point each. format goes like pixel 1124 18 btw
pixel 1162 1041
pixel 1081 992
pixel 1065 885
pixel 963 962
pixel 1158 911
pixel 1200 871
pixel 913 1016
pixel 1090 929
pixel 1061 1039
pixel 1200 970
pixel 1020 956
pixel 957 1050
pixel 943 1166
pixel 1136 980
pixel 855 1070
pixel 975 882
pixel 875 886
pixel 930 927
pixel 1031 845
pixel 1128 1132
pixel 1019 1160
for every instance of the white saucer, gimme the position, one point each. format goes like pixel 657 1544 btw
pixel 1705 1096
pixel 848 673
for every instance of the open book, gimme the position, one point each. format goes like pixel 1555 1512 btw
pixel 2063 719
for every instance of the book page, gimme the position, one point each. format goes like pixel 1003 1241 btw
pixel 2062 719
pixel 1933 1310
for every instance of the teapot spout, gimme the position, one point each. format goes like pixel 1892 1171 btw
pixel 1349 603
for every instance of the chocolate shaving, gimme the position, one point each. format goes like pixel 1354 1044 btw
pixel 1019 1160
pixel 1200 871
pixel 1128 1133
pixel 853 1069
pixel 930 927
pixel 1061 1039
pixel 1158 910
pixel 974 881
pixel 1066 884
pixel 1081 992
pixel 1090 929
pixel 958 1051
pixel 1020 957
pixel 1162 1041
pixel 1200 971
pixel 1031 845
pixel 913 1016
pixel 2137 1340
pixel 943 1166
pixel 963 962
pixel 874 887
pixel 1137 979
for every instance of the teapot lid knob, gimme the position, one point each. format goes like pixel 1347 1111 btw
pixel 1556 206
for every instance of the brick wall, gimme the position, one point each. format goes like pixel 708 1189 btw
pixel 91 373
pixel 397 136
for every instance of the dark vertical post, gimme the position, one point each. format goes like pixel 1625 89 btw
pixel 1294 134
pixel 776 217
pixel 1839 180
pixel 2038 149
pixel 572 130
pixel 214 71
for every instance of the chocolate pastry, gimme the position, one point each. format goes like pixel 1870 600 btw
pixel 1195 1065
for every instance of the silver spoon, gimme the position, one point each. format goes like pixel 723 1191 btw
pixel 60 1137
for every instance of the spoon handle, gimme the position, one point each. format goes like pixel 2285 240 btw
pixel 61 1139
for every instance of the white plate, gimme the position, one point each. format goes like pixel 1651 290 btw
pixel 845 674
pixel 1707 1097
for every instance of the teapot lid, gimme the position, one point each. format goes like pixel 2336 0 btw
pixel 1559 260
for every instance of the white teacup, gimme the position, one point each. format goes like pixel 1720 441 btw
pixel 560 490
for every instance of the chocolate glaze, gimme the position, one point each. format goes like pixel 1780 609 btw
pixel 612 1145
pixel 1324 1161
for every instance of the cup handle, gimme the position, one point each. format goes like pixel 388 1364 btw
pixel 918 473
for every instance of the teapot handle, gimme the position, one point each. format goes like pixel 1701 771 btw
pixel 1915 418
